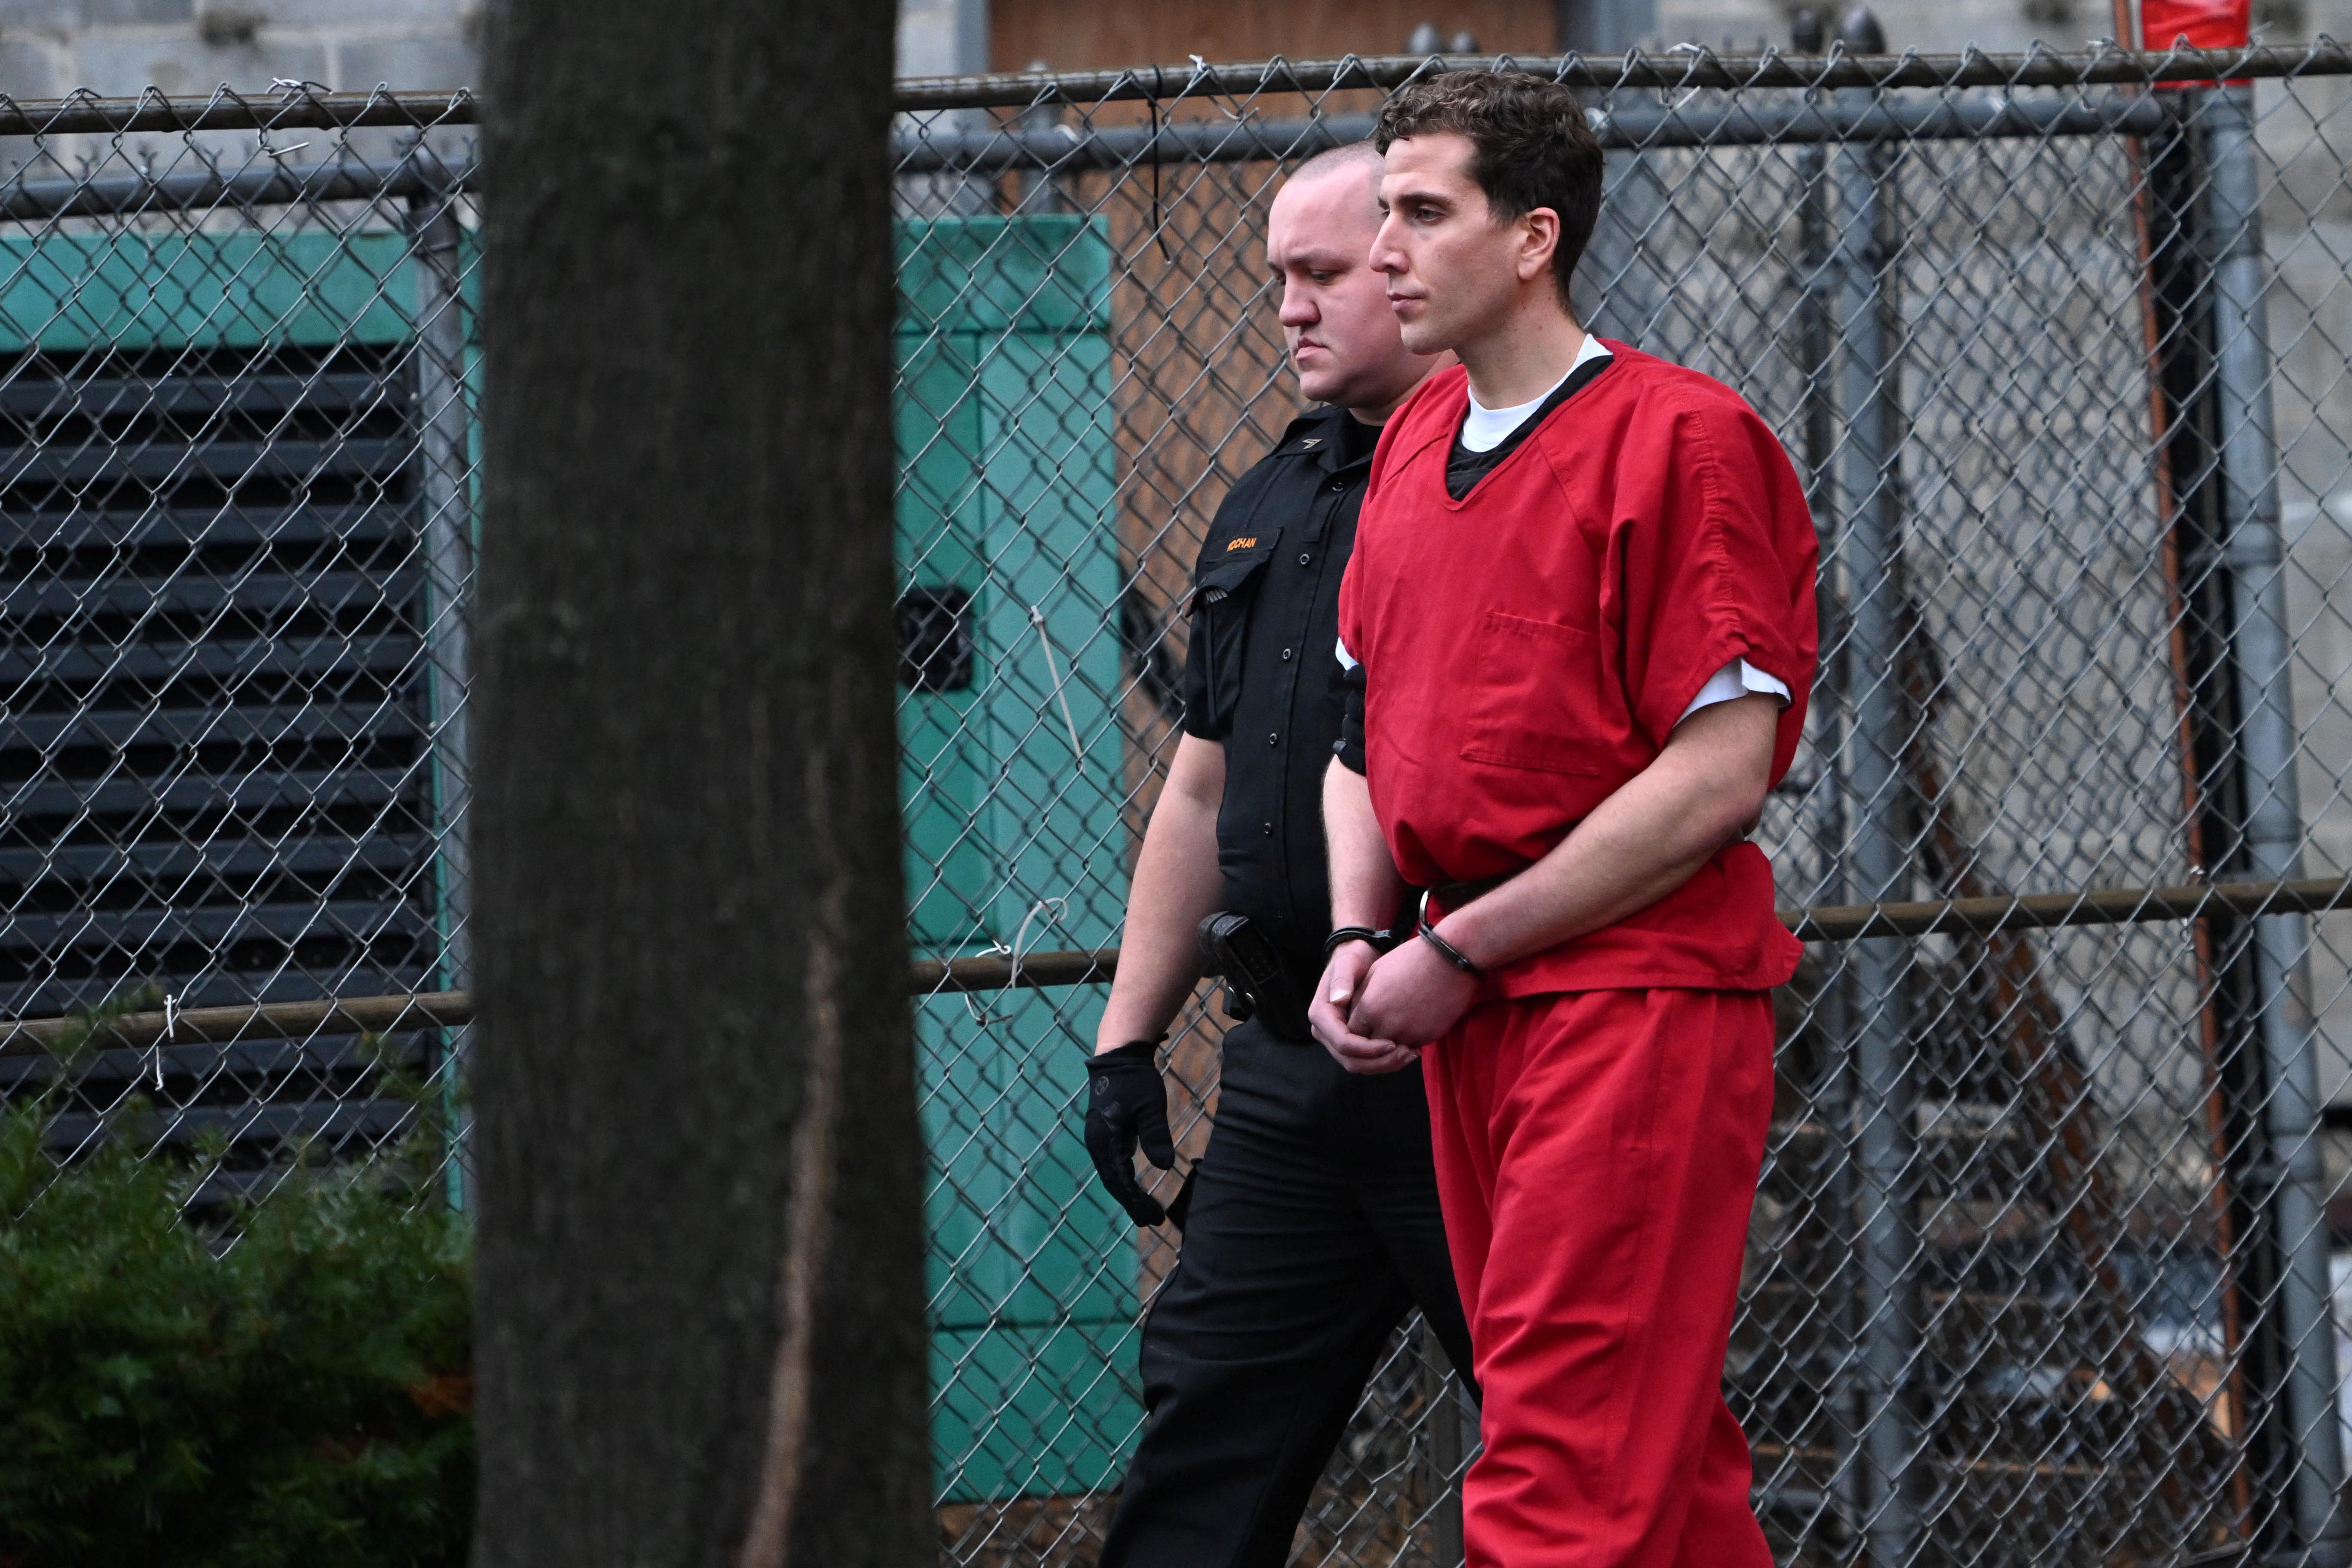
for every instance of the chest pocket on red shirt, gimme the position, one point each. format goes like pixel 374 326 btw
pixel 1532 692
pixel 1225 594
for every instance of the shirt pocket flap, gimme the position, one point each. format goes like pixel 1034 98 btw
pixel 1532 692
pixel 1227 574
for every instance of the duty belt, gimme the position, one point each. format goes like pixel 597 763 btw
pixel 1262 980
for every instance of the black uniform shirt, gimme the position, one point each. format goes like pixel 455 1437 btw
pixel 1259 676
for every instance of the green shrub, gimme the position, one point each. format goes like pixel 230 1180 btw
pixel 303 1397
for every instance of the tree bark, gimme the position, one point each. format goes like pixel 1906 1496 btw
pixel 700 1278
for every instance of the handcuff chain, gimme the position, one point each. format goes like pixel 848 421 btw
pixel 1445 949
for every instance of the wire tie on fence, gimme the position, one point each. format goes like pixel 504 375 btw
pixel 1021 932
pixel 1159 231
pixel 1077 747
pixel 171 1033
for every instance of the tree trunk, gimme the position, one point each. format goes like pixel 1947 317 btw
pixel 700 1275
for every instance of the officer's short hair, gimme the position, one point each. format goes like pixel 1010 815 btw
pixel 1531 148
pixel 1332 160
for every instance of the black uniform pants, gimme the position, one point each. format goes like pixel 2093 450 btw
pixel 1314 1226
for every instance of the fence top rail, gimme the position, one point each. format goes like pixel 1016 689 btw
pixel 300 106
pixel 290 106
pixel 2104 64
pixel 1783 121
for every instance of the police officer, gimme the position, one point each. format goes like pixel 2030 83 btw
pixel 1313 1221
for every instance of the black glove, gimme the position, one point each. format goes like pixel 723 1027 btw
pixel 1126 1102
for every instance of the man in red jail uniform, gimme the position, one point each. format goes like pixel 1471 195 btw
pixel 1580 621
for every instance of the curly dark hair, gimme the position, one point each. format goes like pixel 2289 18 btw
pixel 1531 148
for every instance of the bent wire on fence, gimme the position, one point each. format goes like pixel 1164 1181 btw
pixel 2039 1269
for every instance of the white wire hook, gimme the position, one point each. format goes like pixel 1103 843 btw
pixel 171 1036
pixel 1020 934
pixel 1061 695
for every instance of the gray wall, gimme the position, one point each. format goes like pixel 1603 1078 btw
pixel 48 47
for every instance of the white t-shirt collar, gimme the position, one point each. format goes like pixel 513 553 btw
pixel 1484 429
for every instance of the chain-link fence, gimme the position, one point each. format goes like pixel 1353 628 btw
pixel 2041 1271
pixel 235 484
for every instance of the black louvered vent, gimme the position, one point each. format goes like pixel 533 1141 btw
pixel 214 772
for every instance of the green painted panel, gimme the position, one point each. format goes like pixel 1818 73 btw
pixel 951 868
pixel 1005 430
pixel 1020 1231
pixel 1053 609
pixel 140 290
pixel 1033 1412
pixel 994 275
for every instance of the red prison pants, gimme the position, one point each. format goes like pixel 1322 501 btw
pixel 1597 1156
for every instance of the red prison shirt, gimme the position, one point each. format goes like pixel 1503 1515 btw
pixel 1529 648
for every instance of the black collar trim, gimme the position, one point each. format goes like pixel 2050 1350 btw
pixel 1465 467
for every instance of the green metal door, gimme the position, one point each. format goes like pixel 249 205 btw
pixel 1012 790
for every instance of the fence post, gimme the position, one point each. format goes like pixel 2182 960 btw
pixel 1444 1418
pixel 2252 549
pixel 1817 294
pixel 445 496
pixel 1878 865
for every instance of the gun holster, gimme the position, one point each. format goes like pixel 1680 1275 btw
pixel 1259 983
